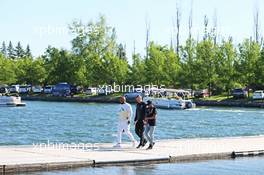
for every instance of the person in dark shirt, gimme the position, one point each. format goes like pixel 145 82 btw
pixel 139 121
pixel 150 121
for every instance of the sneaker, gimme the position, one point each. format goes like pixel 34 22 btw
pixel 145 142
pixel 118 145
pixel 139 145
pixel 150 147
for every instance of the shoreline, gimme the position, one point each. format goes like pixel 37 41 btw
pixel 115 99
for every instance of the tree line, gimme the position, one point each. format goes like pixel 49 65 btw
pixel 97 58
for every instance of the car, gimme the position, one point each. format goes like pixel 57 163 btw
pixel 139 90
pixel 24 89
pixel 91 91
pixel 239 93
pixel 201 93
pixel 61 89
pixel 48 89
pixel 132 95
pixel 14 89
pixel 105 90
pixel 257 95
pixel 37 89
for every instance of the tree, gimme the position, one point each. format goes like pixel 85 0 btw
pixel 97 47
pixel 28 67
pixel 137 70
pixel 171 68
pixel 155 73
pixel 188 76
pixel 63 66
pixel 249 55
pixel 3 49
pixel 225 66
pixel 205 64
pixel 19 51
pixel 28 52
pixel 7 75
pixel 121 52
pixel 10 51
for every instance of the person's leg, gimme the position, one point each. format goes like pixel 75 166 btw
pixel 119 133
pixel 151 134
pixel 137 129
pixel 143 141
pixel 129 134
pixel 146 132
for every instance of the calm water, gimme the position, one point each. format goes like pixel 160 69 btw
pixel 250 166
pixel 77 122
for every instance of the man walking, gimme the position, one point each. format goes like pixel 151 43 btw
pixel 125 113
pixel 151 114
pixel 139 121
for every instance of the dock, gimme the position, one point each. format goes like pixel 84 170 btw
pixel 16 159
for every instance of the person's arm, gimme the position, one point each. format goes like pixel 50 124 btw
pixel 136 117
pixel 153 114
pixel 129 113
pixel 144 112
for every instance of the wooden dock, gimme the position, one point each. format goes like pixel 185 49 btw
pixel 15 159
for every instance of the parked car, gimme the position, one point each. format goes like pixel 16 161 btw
pixel 258 95
pixel 48 89
pixel 133 95
pixel 239 93
pixel 91 91
pixel 139 90
pixel 24 89
pixel 201 93
pixel 61 89
pixel 37 89
pixel 14 89
pixel 104 91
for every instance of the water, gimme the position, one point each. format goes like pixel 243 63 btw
pixel 79 122
pixel 245 166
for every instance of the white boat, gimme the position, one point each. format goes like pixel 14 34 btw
pixel 166 103
pixel 11 101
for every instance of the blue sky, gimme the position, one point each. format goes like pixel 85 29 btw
pixel 44 22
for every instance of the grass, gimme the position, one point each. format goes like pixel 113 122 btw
pixel 218 98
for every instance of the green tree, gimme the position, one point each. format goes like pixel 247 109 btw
pixel 225 66
pixel 3 49
pixel 28 52
pixel 155 64
pixel 31 71
pixel 137 71
pixel 188 76
pixel 19 51
pixel 95 43
pixel 7 75
pixel 63 66
pixel 10 51
pixel 205 64
pixel 247 65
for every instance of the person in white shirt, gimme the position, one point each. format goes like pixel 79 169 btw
pixel 125 114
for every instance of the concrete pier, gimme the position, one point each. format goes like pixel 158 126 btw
pixel 15 159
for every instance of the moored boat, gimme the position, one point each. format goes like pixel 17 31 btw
pixel 11 101
pixel 171 103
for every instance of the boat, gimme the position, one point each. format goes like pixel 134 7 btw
pixel 171 103
pixel 11 101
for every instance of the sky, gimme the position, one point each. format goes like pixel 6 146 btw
pixel 40 23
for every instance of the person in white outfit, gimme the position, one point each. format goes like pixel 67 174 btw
pixel 125 114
